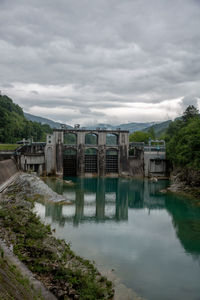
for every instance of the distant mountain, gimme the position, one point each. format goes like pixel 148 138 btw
pixel 129 126
pixel 99 125
pixel 159 128
pixel 135 126
pixel 41 120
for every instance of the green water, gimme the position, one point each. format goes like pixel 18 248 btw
pixel 151 239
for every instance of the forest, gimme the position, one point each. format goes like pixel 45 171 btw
pixel 14 126
pixel 183 140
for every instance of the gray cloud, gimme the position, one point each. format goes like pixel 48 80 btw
pixel 100 58
pixel 189 100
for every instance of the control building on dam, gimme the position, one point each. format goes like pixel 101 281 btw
pixel 79 152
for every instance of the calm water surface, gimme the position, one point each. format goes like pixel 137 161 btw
pixel 150 239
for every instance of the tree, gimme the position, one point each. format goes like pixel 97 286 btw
pixel 139 136
pixel 14 126
pixel 190 112
pixel 151 133
pixel 183 140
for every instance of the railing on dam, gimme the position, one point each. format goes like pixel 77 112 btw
pixel 154 149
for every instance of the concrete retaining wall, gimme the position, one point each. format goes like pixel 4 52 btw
pixel 136 166
pixel 8 168
pixel 5 154
pixel 154 163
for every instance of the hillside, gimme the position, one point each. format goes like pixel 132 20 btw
pixel 135 126
pixel 183 144
pixel 159 128
pixel 41 120
pixel 131 127
pixel 14 126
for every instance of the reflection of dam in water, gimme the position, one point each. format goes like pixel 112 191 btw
pixel 103 199
pixel 151 239
pixel 111 199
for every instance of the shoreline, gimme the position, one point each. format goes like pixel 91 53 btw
pixel 14 272
pixel 180 188
pixel 51 260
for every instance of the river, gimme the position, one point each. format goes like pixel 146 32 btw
pixel 148 238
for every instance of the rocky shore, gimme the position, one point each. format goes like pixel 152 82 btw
pixel 186 182
pixel 52 261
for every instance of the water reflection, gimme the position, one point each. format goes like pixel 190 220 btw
pixel 110 199
pixel 103 199
pixel 151 239
pixel 186 222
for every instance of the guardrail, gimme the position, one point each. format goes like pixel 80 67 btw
pixel 154 149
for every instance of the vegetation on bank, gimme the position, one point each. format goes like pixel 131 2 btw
pixel 13 285
pixel 8 146
pixel 183 149
pixel 66 275
pixel 183 140
pixel 14 126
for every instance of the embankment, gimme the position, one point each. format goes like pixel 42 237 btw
pixel 16 281
pixel 52 261
pixel 8 168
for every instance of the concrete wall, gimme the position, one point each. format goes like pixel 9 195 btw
pixel 136 166
pixel 32 162
pixel 8 168
pixel 154 163
pixel 5 154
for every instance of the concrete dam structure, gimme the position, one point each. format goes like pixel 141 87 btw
pixel 83 152
pixel 80 152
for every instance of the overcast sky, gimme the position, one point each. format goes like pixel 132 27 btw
pixel 91 61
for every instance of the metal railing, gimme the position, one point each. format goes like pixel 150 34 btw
pixel 154 149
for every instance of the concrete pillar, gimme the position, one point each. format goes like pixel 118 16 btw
pixel 102 138
pixel 50 153
pixel 59 153
pixel 81 159
pixel 80 138
pixel 40 170
pixel 123 153
pixel 102 153
pixel 80 152
pixel 102 160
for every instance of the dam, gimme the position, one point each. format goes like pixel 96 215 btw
pixel 99 152
pixel 83 152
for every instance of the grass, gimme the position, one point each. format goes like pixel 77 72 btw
pixel 51 259
pixel 13 285
pixel 8 146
